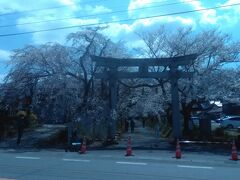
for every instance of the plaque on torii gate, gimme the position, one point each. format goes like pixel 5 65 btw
pixel 172 72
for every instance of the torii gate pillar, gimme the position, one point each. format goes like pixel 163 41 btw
pixel 177 133
pixel 112 101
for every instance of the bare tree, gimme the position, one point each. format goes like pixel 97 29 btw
pixel 84 44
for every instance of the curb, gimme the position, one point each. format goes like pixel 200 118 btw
pixel 188 146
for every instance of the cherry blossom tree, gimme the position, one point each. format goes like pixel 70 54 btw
pixel 214 50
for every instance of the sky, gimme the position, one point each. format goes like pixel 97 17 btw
pixel 20 16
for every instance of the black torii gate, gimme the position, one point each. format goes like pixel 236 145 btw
pixel 172 72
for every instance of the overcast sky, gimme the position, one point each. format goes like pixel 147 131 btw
pixel 26 16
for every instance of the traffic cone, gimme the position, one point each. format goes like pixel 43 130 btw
pixel 83 147
pixel 234 151
pixel 178 150
pixel 129 148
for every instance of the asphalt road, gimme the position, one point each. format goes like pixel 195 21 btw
pixel 113 165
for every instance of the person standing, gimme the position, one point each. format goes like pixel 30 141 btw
pixel 132 124
pixel 143 122
pixel 157 129
pixel 126 125
pixel 20 127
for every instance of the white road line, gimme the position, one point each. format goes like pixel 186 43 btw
pixel 10 150
pixel 149 158
pixel 195 167
pixel 107 156
pixel 27 157
pixel 77 160
pixel 131 163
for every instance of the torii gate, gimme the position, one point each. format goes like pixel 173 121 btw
pixel 112 74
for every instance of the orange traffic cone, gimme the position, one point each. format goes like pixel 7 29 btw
pixel 234 151
pixel 178 151
pixel 83 147
pixel 129 148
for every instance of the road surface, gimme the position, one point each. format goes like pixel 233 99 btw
pixel 113 165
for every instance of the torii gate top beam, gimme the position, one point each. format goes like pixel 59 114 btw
pixel 143 64
pixel 128 62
